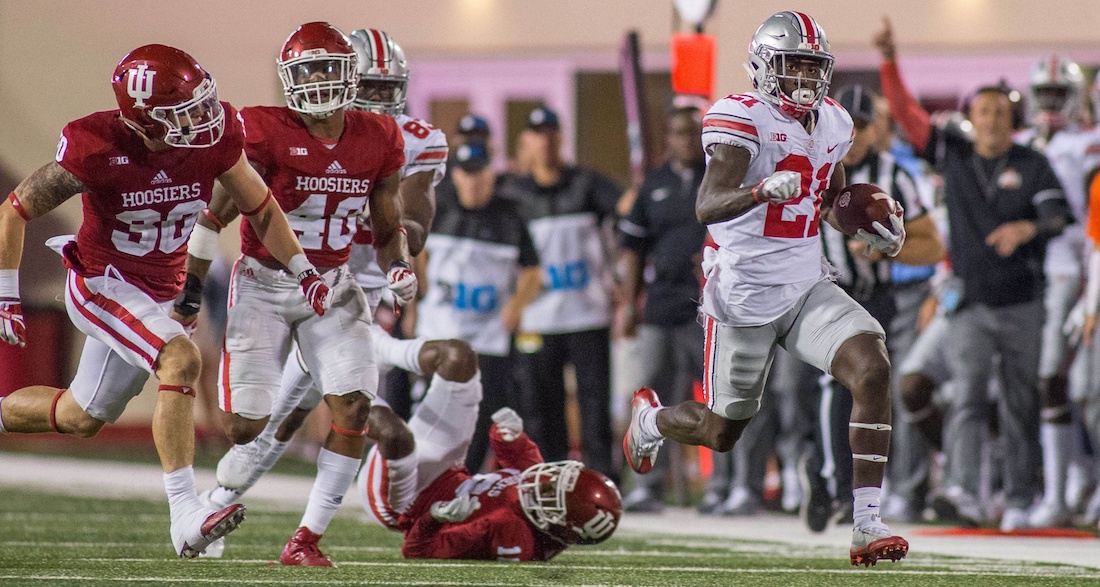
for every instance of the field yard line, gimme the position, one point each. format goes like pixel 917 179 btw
pixel 420 564
pixel 283 492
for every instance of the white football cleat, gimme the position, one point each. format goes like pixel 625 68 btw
pixel 873 541
pixel 639 453
pixel 215 549
pixel 194 533
pixel 236 467
pixel 1050 515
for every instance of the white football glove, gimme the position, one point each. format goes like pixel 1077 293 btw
pixel 1074 326
pixel 509 424
pixel 781 186
pixel 402 282
pixel 455 510
pixel 13 329
pixel 888 241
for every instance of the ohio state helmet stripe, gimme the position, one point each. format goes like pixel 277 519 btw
pixel 807 27
pixel 380 56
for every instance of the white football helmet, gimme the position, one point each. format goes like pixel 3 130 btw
pixel 383 72
pixel 790 36
pixel 1055 86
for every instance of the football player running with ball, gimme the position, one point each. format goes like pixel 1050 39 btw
pixel 145 171
pixel 773 166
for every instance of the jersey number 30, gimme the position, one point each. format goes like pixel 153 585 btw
pixel 802 225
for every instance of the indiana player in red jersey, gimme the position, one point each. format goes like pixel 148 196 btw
pixel 450 366
pixel 145 173
pixel 325 165
pixel 527 510
pixel 773 165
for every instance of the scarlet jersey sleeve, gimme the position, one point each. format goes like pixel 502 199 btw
pixel 518 454
pixel 730 122
pixel 77 147
pixel 255 137
pixel 503 534
pixel 233 138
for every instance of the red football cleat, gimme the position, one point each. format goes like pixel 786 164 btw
pixel 302 551
pixel 640 454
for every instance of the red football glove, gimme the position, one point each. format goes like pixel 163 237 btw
pixel 315 290
pixel 12 328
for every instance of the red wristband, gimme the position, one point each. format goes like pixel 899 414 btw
pixel 19 209
pixel 347 432
pixel 212 218
pixel 261 206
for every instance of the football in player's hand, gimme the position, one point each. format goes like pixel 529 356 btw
pixel 860 205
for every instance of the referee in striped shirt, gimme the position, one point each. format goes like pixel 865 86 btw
pixel 867 279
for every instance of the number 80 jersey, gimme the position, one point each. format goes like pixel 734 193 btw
pixel 769 256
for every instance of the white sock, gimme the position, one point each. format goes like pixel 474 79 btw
pixel 402 474
pixel 222 497
pixel 335 473
pixel 1056 442
pixel 180 487
pixel 647 422
pixel 2 429
pixel 274 452
pixel 865 502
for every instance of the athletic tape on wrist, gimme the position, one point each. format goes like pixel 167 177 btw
pixel 203 243
pixel 299 264
pixel 9 284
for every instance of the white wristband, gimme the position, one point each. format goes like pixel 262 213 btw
pixel 1092 290
pixel 9 283
pixel 299 264
pixel 203 243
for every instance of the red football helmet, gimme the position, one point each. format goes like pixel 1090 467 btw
pixel 570 503
pixel 317 68
pixel 164 94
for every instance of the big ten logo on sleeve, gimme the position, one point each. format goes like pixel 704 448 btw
pixel 566 276
pixel 466 296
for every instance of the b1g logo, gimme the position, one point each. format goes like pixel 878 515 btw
pixel 140 84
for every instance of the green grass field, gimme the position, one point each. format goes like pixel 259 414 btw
pixel 53 540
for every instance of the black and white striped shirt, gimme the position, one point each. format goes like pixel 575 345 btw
pixel 859 276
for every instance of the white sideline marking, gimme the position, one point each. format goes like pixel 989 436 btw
pixel 1040 571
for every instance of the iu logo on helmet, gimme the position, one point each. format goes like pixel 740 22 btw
pixel 140 84
pixel 598 527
